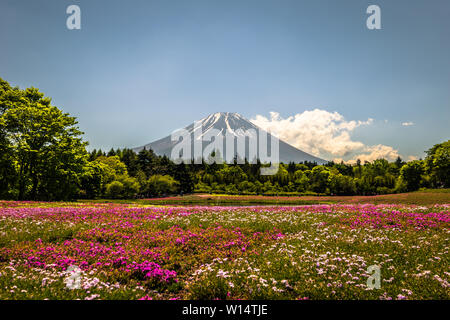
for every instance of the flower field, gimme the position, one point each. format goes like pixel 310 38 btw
pixel 126 251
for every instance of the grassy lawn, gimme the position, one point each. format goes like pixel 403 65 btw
pixel 426 197
pixel 129 251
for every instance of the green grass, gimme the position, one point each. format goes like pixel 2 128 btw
pixel 422 197
pixel 317 256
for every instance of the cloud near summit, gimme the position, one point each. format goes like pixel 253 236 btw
pixel 324 134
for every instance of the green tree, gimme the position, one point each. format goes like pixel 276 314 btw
pixel 44 144
pixel 319 179
pixel 7 169
pixel 232 174
pixel 159 185
pixel 341 185
pixel 116 166
pixel 131 186
pixel 411 173
pixel 438 164
pixel 129 158
pixel 114 170
pixel 92 180
pixel 301 181
pixel 114 190
pixel 184 177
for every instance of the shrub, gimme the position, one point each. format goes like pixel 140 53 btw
pixel 114 190
pixel 159 185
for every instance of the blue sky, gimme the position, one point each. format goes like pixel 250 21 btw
pixel 137 70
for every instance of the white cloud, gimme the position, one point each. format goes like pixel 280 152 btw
pixel 324 134
pixel 407 124
pixel 371 153
pixel 315 131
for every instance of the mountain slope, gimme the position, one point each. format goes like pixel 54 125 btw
pixel 234 124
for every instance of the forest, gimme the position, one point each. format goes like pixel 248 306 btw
pixel 43 157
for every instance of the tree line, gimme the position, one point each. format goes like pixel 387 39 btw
pixel 43 157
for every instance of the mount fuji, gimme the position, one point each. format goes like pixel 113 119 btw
pixel 230 123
